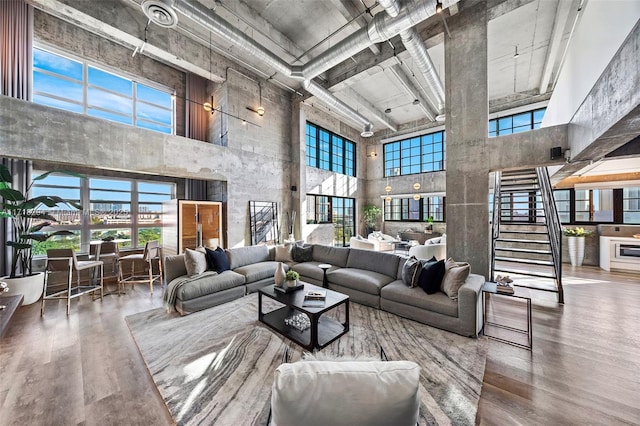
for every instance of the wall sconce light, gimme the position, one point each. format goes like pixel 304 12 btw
pixel 208 106
pixel 372 154
pixel 516 55
pixel 438 6
pixel 260 109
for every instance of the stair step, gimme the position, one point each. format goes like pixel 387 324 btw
pixel 518 240
pixel 524 261
pixel 520 188
pixel 525 273
pixel 521 250
pixel 542 287
pixel 519 172
pixel 509 231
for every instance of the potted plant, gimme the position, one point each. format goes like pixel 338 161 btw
pixel 370 215
pixel 292 278
pixel 27 222
pixel 575 243
pixel 429 228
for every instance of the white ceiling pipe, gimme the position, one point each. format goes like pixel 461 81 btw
pixel 418 51
pixel 411 89
pixel 327 97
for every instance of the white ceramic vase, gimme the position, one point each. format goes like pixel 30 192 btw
pixel 575 245
pixel 31 287
pixel 279 276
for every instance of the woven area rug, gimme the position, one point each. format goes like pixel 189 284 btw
pixel 216 366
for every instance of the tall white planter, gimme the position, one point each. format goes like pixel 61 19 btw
pixel 31 287
pixel 575 246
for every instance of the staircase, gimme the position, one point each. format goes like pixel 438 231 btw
pixel 526 234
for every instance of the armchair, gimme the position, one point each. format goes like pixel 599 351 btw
pixel 434 247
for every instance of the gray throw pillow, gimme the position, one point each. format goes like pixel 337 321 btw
pixel 411 271
pixel 455 275
pixel 195 262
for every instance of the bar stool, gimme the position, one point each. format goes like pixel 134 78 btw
pixel 64 260
pixel 152 252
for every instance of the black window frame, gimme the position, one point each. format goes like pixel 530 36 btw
pixel 341 152
pixel 402 205
pixel 618 208
pixel 401 159
pixel 509 129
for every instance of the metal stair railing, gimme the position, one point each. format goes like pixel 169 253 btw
pixel 495 222
pixel 553 226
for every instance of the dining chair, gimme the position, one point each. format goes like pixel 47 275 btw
pixel 142 266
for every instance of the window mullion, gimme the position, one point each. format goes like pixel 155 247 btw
pixel 85 221
pixel 134 213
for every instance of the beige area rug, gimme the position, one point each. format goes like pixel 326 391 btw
pixel 216 366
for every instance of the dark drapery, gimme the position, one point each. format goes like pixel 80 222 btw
pixel 16 42
pixel 197 118
pixel 195 190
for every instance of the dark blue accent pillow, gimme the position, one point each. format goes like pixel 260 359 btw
pixel 431 276
pixel 217 260
pixel 302 253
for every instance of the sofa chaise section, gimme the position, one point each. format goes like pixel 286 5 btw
pixel 202 291
pixel 462 316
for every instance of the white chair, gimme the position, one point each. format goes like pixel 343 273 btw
pixel 346 393
pixel 382 242
pixel 434 247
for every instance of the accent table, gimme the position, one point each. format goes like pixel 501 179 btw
pixel 324 267
pixel 490 289
pixel 11 304
pixel 323 330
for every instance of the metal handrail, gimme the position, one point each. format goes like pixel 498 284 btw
pixel 553 225
pixel 496 221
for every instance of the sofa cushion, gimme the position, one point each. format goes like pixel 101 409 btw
pixel 383 263
pixel 259 271
pixel 359 279
pixel 411 271
pixel 431 276
pixel 438 302
pixel 218 260
pixel 311 270
pixel 335 256
pixel 241 256
pixel 302 253
pixel 195 262
pixel 283 253
pixel 208 283
pixel 455 275
pixel 371 393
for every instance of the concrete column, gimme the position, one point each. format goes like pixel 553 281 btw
pixel 298 170
pixel 467 110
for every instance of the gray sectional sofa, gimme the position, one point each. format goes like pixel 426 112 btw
pixel 369 278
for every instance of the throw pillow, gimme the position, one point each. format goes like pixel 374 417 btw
pixel 302 253
pixel 431 276
pixel 218 260
pixel 411 271
pixel 456 274
pixel 195 262
pixel 283 253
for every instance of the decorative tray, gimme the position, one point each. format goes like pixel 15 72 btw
pixel 287 289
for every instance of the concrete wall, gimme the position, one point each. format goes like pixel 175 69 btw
pixel 602 29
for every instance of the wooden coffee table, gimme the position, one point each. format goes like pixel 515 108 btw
pixel 323 329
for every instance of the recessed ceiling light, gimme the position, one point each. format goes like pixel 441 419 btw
pixel 416 101
pixel 387 111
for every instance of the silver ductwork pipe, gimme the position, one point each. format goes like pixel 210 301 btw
pixel 328 98
pixel 418 51
pixel 195 11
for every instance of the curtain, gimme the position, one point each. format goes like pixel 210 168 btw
pixel 16 39
pixel 197 118
pixel 16 42
pixel 195 190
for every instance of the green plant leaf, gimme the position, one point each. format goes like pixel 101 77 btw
pixel 18 246
pixel 5 175
pixel 39 226
pixel 11 194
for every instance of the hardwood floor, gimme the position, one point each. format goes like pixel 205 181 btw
pixel 584 367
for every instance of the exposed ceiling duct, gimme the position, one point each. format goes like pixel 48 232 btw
pixel 418 51
pixel 381 28
pixel 410 87
pixel 328 98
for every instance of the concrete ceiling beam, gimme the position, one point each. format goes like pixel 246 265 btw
pixel 375 112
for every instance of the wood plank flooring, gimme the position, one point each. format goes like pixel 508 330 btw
pixel 584 367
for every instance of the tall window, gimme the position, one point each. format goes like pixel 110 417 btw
pixel 410 210
pixel 516 123
pixel 594 205
pixel 339 211
pixel 78 86
pixel 128 210
pixel 328 151
pixel 418 154
pixel 631 205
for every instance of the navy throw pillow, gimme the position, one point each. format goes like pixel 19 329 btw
pixel 217 260
pixel 431 276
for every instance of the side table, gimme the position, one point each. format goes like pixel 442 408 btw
pixel 489 289
pixel 324 267
pixel 9 306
